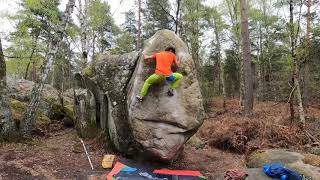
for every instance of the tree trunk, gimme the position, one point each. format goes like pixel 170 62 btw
pixel 7 126
pixel 221 70
pixel 296 69
pixel 307 61
pixel 259 59
pixel 246 54
pixel 31 55
pixel 3 75
pixel 177 16
pixel 28 122
pixel 83 33
pixel 139 26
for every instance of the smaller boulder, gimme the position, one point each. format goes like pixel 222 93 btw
pixel 305 164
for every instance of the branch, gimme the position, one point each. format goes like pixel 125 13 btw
pixel 16 57
pixel 172 17
pixel 289 99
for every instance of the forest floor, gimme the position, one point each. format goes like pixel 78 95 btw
pixel 226 138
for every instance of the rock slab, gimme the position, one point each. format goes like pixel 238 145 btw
pixel 297 161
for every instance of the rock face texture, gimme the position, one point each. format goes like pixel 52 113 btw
pixel 159 126
pixel 306 164
pixel 50 107
pixel 162 124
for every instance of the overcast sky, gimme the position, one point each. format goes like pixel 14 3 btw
pixel 12 6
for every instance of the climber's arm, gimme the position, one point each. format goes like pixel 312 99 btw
pixel 149 56
pixel 176 62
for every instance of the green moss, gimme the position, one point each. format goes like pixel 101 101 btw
pixel 88 71
pixel 257 159
pixel 77 148
pixel 17 105
pixel 18 109
pixel 68 109
pixel 55 106
pixel 194 141
pixel 42 120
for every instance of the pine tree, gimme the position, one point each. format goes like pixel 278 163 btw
pixel 246 54
pixel 157 16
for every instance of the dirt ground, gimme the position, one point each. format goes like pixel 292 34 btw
pixel 56 156
pixel 228 138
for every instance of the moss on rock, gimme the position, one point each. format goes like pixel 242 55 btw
pixel 42 120
pixel 194 141
pixel 55 107
pixel 257 159
pixel 18 109
pixel 88 71
pixel 69 112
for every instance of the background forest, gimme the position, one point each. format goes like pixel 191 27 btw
pixel 211 29
pixel 257 63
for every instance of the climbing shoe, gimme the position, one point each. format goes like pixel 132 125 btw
pixel 139 98
pixel 170 92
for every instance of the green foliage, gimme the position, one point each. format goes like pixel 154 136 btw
pixel 156 17
pixel 102 24
pixel 232 71
pixel 130 22
pixel 124 43
pixel 99 15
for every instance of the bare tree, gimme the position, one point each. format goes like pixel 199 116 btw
pixel 29 117
pixel 246 55
pixel 83 32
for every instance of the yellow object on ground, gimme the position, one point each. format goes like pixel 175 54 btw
pixel 107 161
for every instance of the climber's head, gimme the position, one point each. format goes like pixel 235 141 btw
pixel 171 49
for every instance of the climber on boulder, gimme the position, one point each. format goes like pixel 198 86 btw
pixel 164 61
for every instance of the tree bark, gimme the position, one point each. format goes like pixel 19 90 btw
pixel 83 33
pixel 307 61
pixel 259 59
pixel 296 68
pixel 139 26
pixel 246 54
pixel 177 16
pixel 31 56
pixel 28 122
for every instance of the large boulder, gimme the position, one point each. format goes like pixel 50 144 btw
pixel 160 125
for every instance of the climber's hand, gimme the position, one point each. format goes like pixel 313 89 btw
pixel 147 57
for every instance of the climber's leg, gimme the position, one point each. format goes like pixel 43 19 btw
pixel 176 80
pixel 154 78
